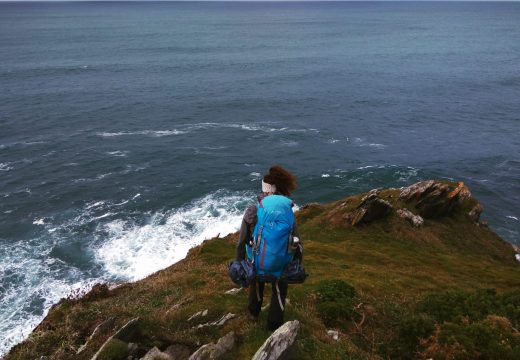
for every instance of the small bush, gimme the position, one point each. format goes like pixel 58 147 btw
pixel 336 290
pixel 443 306
pixel 510 307
pixel 455 305
pixel 492 338
pixel 335 301
pixel 411 331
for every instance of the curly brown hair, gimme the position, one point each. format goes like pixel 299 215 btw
pixel 284 181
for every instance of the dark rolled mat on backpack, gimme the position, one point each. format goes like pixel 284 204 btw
pixel 242 273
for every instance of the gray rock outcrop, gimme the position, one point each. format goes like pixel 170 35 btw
pixel 233 291
pixel 406 214
pixel 279 344
pixel 117 343
pixel 156 354
pixel 178 351
pixel 214 351
pixel 224 319
pixel 435 199
pixel 372 208
pixel 474 213
pixel 201 313
pixel 102 328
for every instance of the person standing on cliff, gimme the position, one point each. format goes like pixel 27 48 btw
pixel 278 181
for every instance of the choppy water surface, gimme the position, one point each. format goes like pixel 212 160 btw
pixel 130 132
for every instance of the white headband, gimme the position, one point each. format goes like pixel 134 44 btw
pixel 268 188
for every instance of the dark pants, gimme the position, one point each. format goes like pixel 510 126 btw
pixel 275 315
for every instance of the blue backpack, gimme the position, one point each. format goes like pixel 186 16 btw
pixel 269 250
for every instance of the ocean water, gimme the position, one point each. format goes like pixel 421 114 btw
pixel 130 132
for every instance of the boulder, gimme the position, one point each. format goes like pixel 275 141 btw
pixel 233 291
pixel 416 190
pixel 279 344
pixel 435 199
pixel 116 345
pixel 178 351
pixel 371 194
pixel 461 192
pixel 214 351
pixel 218 322
pixel 436 202
pixel 156 354
pixel 102 328
pixel 132 348
pixel 334 334
pixel 406 214
pixel 198 314
pixel 371 209
pixel 127 331
pixel 474 213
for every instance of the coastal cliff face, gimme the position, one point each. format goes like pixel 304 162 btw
pixel 394 273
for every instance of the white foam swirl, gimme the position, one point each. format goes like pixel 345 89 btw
pixel 31 284
pixel 134 251
pixel 156 133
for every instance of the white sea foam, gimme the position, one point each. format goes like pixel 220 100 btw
pixel 5 167
pixel 325 175
pixel 188 128
pixel 290 143
pixel 134 251
pixel 128 169
pixel 30 280
pixel 366 167
pixel 266 127
pixel 512 217
pixel 156 133
pixel 130 252
pixel 118 153
pixel 94 204
pixel 255 176
pixel 362 143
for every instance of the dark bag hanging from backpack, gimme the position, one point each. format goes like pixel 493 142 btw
pixel 294 273
pixel 241 272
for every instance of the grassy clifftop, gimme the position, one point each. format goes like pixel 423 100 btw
pixel 449 288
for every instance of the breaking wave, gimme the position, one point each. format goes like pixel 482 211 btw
pixel 35 275
pixel 133 251
pixel 189 128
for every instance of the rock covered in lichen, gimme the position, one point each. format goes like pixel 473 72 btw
pixel 406 214
pixel 279 344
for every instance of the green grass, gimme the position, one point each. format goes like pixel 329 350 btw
pixel 393 267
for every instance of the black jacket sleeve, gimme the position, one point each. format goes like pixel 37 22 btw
pixel 246 231
pixel 242 239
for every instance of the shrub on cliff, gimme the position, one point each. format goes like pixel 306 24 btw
pixel 411 331
pixel 455 305
pixel 335 301
pixel 491 338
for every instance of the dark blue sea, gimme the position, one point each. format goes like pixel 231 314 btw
pixel 130 132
